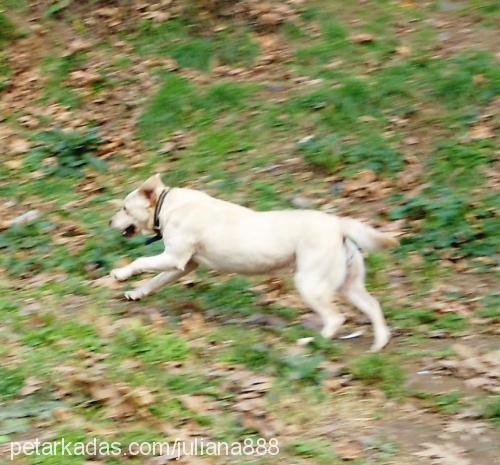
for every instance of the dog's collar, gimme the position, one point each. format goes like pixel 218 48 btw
pixel 156 217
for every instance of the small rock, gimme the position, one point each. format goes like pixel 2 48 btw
pixel 26 217
pixel 349 451
pixel 403 50
pixel 336 188
pixel 443 36
pixel 270 19
pixel 448 5
pixel 438 334
pixel 368 441
pixel 332 384
pixel 410 140
pixel 274 86
pixel 305 140
pixel 302 202
pixel 352 335
pixel 303 341
pixel 78 45
pixel 167 147
pixel 13 164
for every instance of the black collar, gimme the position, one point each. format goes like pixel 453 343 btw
pixel 156 217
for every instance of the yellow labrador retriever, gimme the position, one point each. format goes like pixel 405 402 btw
pixel 198 229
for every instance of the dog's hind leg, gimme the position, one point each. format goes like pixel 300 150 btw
pixel 320 272
pixel 355 291
pixel 159 280
pixel 318 294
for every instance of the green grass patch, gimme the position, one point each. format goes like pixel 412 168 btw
pixel 319 450
pixel 370 152
pixel 5 72
pixel 137 341
pixel 425 319
pixel 491 409
pixel 232 297
pixel 168 109
pixel 450 402
pixel 72 150
pixel 193 49
pixel 51 330
pixel 469 78
pixel 8 30
pixel 11 381
pixel 245 346
pixel 178 104
pixel 490 306
pixel 460 165
pixel 57 69
pixel 452 223
pixel 379 370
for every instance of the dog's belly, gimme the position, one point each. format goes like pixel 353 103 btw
pixel 244 261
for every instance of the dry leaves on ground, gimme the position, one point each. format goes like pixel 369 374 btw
pixel 480 371
pixel 444 454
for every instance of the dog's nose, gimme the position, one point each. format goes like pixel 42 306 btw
pixel 109 222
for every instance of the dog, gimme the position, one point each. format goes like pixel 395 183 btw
pixel 197 229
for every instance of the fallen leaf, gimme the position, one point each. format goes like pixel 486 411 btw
pixel 443 454
pixel 197 404
pixel 13 164
pixel 468 427
pixel 107 281
pixel 481 131
pixel 349 451
pixel 265 426
pixel 78 45
pixel 31 385
pixel 411 140
pixel 18 146
pixel 362 38
pixel 403 50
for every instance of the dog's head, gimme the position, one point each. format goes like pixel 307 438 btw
pixel 135 213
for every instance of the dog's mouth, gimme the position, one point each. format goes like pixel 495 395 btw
pixel 129 231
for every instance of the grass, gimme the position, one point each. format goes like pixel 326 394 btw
pixel 239 139
pixel 57 69
pixel 8 30
pixel 11 381
pixel 72 151
pixel 381 370
pixel 135 341
pixel 190 48
pixel 4 72
pixel 178 104
pixel 491 409
pixel 318 450
pixel 457 83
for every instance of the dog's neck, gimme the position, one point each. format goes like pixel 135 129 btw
pixel 156 216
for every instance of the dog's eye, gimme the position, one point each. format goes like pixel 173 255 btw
pixel 125 210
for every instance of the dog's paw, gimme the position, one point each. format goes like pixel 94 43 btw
pixel 135 294
pixel 120 274
pixel 382 338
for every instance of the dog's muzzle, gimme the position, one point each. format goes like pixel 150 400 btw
pixel 129 231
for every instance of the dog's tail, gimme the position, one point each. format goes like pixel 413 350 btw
pixel 366 237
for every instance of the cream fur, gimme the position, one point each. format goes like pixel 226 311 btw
pixel 201 230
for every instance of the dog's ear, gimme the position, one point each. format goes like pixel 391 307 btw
pixel 116 203
pixel 150 187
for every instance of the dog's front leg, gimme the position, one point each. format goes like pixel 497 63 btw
pixel 159 280
pixel 175 258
